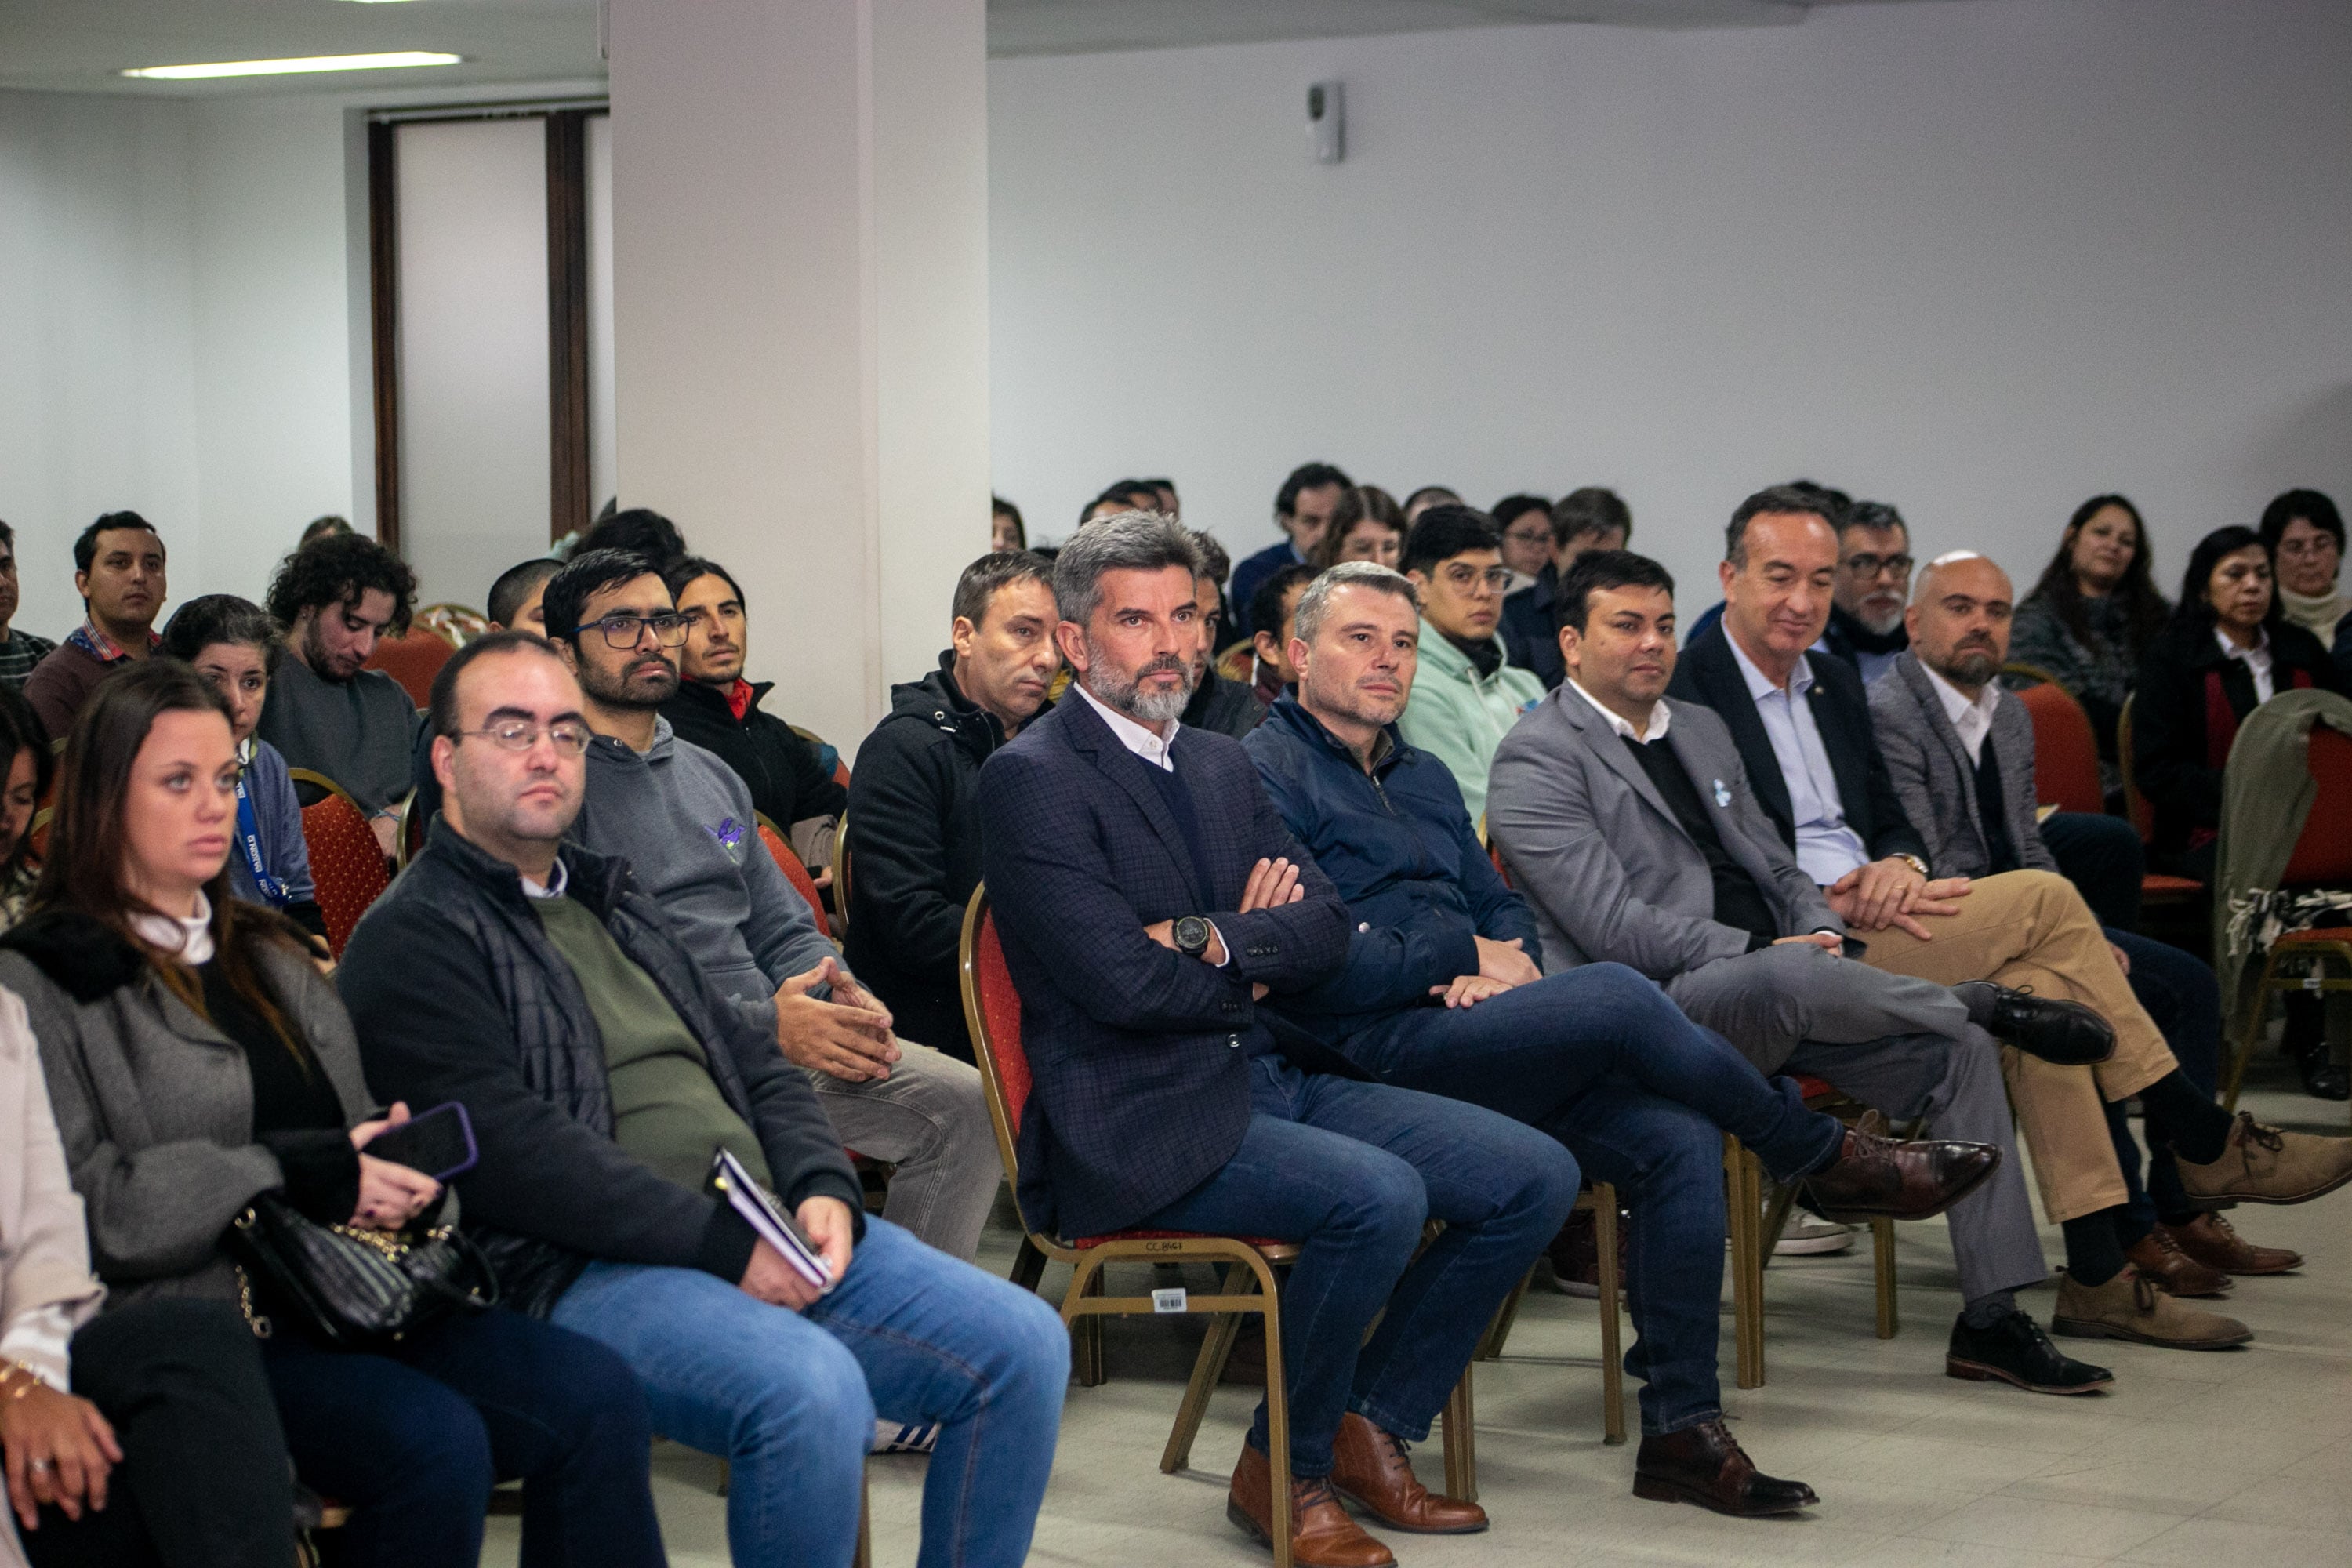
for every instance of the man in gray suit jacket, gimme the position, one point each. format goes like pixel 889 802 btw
pixel 1629 824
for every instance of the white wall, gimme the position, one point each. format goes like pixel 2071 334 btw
pixel 1980 259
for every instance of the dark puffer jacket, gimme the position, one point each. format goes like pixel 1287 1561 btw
pixel 788 781
pixel 914 849
pixel 458 993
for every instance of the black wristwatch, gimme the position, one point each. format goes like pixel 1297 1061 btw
pixel 1193 934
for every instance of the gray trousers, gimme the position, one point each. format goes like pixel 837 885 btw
pixel 1901 1045
pixel 929 1119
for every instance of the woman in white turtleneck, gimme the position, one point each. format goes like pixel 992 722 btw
pixel 2306 535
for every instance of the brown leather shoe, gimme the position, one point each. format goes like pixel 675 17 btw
pixel 1704 1465
pixel 1321 1533
pixel 2131 1307
pixel 1575 1255
pixel 2158 1257
pixel 1875 1175
pixel 2211 1241
pixel 2270 1165
pixel 1371 1470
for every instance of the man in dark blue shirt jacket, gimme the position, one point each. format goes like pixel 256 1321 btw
pixel 1439 993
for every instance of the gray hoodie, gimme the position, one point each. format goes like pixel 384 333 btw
pixel 684 822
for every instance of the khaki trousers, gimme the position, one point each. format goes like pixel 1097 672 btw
pixel 2030 930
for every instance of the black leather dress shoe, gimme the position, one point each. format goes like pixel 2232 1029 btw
pixel 1704 1465
pixel 1916 1180
pixel 2067 1034
pixel 2015 1349
pixel 2322 1079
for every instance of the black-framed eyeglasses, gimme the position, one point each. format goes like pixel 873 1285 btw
pixel 568 736
pixel 628 631
pixel 1877 565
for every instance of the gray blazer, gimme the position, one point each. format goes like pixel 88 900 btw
pixel 1938 784
pixel 1595 849
pixel 155 1108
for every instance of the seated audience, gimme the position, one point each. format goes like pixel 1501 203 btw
pixel 2305 534
pixel 640 531
pixel 1302 509
pixel 1596 1057
pixel 1005 529
pixel 2091 618
pixel 20 650
pixel 717 709
pixel 540 985
pixel 22 789
pixel 1802 724
pixel 1469 693
pixel 914 810
pixel 1270 612
pixel 2227 648
pixel 1148 898
pixel 196 1058
pixel 1629 824
pixel 1428 496
pixel 1873 584
pixel 335 597
pixel 1228 706
pixel 1367 525
pixel 235 646
pixel 1960 753
pixel 515 597
pixel 142 1437
pixel 119 572
pixel 1524 521
pixel 682 820
pixel 1582 520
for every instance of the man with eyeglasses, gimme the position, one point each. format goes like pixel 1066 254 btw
pixel 532 981
pixel 1469 693
pixel 1871 590
pixel 683 820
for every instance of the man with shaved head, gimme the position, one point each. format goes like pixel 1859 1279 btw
pixel 1960 751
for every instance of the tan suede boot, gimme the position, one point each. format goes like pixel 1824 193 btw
pixel 2131 1307
pixel 2270 1165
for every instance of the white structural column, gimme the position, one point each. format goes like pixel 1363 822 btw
pixel 800 267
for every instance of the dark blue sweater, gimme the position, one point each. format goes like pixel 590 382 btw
pixel 1400 847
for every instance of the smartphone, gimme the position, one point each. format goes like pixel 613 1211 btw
pixel 440 1143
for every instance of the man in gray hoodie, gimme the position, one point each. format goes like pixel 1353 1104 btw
pixel 683 819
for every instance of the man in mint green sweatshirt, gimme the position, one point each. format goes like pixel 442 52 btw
pixel 1468 694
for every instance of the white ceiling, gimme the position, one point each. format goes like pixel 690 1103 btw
pixel 78 44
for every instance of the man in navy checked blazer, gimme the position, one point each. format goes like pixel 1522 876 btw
pixel 1148 897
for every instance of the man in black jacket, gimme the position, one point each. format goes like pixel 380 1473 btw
pixel 792 782
pixel 914 820
pixel 534 984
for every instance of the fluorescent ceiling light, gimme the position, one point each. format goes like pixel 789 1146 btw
pixel 287 68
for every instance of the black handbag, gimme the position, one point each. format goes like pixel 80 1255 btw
pixel 354 1289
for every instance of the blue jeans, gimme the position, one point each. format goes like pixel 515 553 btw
pixel 1603 1060
pixel 790 1398
pixel 1349 1170
pixel 2183 999
pixel 414 1438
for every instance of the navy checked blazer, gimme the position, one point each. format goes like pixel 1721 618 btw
pixel 1140 1055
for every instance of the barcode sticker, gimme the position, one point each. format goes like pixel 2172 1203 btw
pixel 1168 1300
pixel 2314 981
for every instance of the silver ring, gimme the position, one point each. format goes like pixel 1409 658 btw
pixel 39 1466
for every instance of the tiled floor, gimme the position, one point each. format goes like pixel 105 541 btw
pixel 2195 1459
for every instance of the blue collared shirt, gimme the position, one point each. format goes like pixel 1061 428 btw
pixel 1827 847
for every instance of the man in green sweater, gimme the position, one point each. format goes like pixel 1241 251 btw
pixel 1469 694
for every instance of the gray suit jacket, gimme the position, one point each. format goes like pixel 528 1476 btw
pixel 1595 849
pixel 1938 784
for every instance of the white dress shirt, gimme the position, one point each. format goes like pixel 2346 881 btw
pixel 1659 717
pixel 1144 742
pixel 2257 659
pixel 1973 720
pixel 557 880
pixel 1827 848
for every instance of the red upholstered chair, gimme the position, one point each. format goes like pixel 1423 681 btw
pixel 346 861
pixel 795 873
pixel 2321 859
pixel 840 766
pixel 412 661
pixel 2066 774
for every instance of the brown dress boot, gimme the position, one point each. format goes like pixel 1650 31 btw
pixel 2270 1165
pixel 2130 1307
pixel 2158 1257
pixel 2210 1239
pixel 1371 1470
pixel 1321 1533
pixel 1705 1464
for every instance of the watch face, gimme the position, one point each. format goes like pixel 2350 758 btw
pixel 1192 933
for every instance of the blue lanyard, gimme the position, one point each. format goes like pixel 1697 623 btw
pixel 248 833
